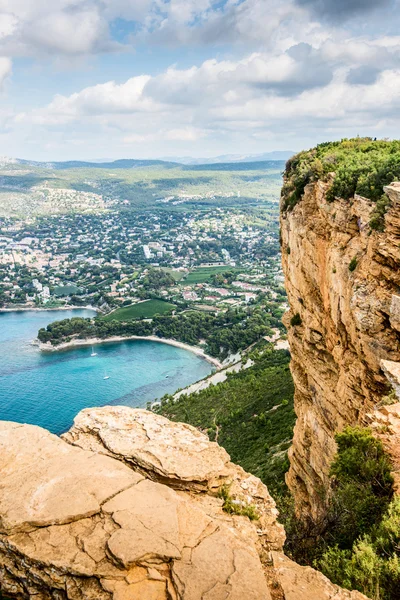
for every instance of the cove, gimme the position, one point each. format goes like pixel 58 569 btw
pixel 49 389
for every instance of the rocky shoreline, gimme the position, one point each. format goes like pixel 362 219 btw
pixel 76 343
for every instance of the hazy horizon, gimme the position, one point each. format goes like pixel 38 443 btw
pixel 280 155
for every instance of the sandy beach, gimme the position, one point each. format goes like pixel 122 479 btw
pixel 214 379
pixel 36 309
pixel 76 343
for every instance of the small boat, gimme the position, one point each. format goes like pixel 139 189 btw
pixel 166 377
pixel 106 376
pixel 93 352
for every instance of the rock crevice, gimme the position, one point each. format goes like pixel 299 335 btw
pixel 79 519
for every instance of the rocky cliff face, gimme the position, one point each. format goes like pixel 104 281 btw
pixel 346 345
pixel 125 507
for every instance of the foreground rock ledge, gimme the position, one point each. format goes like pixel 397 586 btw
pixel 124 507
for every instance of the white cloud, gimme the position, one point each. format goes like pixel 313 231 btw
pixel 66 33
pixel 105 98
pixel 62 27
pixel 252 96
pixel 195 22
pixel 5 69
pixel 273 68
pixel 29 28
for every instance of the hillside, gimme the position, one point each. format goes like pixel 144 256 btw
pixel 33 189
pixel 250 415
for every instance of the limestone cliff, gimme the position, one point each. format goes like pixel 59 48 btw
pixel 343 285
pixel 125 507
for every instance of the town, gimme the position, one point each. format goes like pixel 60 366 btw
pixel 208 260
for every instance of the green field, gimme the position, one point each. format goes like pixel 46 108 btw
pixel 145 310
pixel 203 274
pixel 66 290
pixel 177 275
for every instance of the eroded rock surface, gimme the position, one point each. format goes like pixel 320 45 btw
pixel 385 422
pixel 174 452
pixel 350 323
pixel 304 583
pixel 94 519
pixel 47 480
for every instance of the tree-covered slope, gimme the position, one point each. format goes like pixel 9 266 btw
pixel 250 414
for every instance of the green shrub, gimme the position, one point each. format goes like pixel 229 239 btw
pixel 362 458
pixel 295 320
pixel 362 536
pixel 237 507
pixel 362 483
pixel 357 543
pixel 372 566
pixel 377 220
pixel 353 264
pixel 390 398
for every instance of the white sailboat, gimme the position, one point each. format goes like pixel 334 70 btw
pixel 106 376
pixel 93 352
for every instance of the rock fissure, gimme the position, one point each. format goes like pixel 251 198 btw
pixel 144 540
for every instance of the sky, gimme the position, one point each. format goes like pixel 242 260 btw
pixel 91 79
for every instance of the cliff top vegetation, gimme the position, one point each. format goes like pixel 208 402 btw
pixel 360 165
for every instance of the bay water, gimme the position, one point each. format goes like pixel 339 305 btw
pixel 50 388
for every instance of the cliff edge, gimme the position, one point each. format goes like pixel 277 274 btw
pixel 342 276
pixel 127 507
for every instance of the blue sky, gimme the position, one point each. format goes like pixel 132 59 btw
pixel 85 79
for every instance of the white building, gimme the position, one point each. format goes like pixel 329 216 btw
pixel 37 285
pixel 147 252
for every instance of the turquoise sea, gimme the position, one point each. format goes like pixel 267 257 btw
pixel 49 389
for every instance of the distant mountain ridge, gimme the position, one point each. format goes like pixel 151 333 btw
pixel 231 158
pixel 132 163
pixel 124 163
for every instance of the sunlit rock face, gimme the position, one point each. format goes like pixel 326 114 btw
pixel 350 323
pixel 125 507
